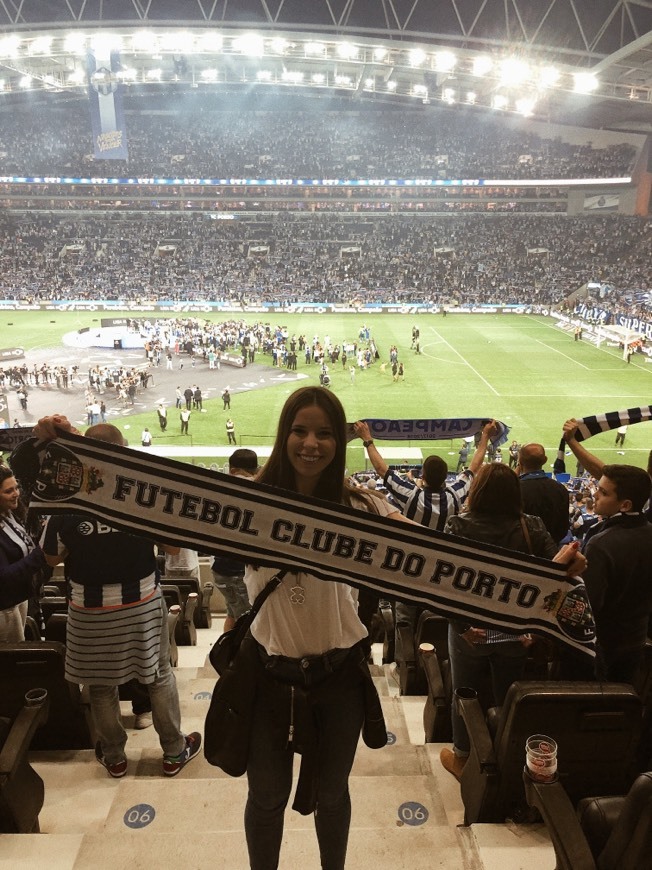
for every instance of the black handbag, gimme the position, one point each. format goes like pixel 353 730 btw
pixel 226 647
pixel 234 656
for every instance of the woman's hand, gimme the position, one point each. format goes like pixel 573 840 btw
pixel 49 428
pixel 570 556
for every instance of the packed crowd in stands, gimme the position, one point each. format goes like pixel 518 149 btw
pixel 504 260
pixel 195 141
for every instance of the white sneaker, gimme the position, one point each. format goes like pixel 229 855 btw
pixel 143 720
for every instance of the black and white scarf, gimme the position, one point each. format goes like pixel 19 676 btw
pixel 428 429
pixel 175 503
pixel 588 426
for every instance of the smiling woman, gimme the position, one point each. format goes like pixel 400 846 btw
pixel 314 692
pixel 19 561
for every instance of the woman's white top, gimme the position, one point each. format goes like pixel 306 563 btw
pixel 328 617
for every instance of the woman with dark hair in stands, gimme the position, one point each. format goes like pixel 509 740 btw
pixel 494 516
pixel 311 652
pixel 20 560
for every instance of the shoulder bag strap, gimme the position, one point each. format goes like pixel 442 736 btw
pixel 526 535
pixel 264 594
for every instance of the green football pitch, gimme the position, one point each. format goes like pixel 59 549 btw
pixel 520 369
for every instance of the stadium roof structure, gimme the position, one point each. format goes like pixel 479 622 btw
pixel 585 62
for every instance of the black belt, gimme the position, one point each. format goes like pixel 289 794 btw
pixel 306 671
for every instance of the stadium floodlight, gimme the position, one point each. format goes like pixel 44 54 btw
pixel 2 84
pixel 278 45
pixel 420 90
pixel 514 71
pixel 525 106
pixel 445 61
pixel 416 56
pixel 178 41
pixel 249 44
pixel 209 42
pixel 25 82
pixel 471 97
pixel 584 82
pixel 343 80
pixel 317 49
pixel 264 75
pixel 41 45
pixel 346 50
pixel 448 96
pixel 482 65
pixel 9 46
pixel 77 77
pixel 154 75
pixel 104 43
pixel 499 102
pixel 293 76
pixel 380 53
pixel 392 84
pixel 369 83
pixel 209 75
pixel 75 43
pixel 548 77
pixel 145 41
pixel 318 78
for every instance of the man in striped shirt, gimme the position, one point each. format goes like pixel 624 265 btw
pixel 432 503
pixel 429 505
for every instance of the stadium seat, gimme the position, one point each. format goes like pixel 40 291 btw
pixel 434 661
pixel 173 617
pixel 26 665
pixel 21 788
pixel 387 617
pixel 430 628
pixel 32 631
pixel 50 604
pixel 613 832
pixel 185 631
pixel 189 585
pixel 56 627
pixel 596 726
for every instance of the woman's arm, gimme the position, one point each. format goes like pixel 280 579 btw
pixel 16 578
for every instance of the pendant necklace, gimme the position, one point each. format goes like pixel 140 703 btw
pixel 297 593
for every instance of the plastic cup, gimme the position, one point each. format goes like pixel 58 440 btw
pixel 36 697
pixel 541 758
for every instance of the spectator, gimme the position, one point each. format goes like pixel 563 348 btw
pixel 112 578
pixel 542 496
pixel 494 516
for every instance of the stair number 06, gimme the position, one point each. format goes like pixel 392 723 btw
pixel 412 813
pixel 139 816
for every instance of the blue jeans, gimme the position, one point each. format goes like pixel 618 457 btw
pixel 234 591
pixel 269 773
pixel 166 715
pixel 472 665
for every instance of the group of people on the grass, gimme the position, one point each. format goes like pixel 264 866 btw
pixel 439 261
pixel 310 648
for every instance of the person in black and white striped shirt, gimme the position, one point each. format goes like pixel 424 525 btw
pixel 429 505
pixel 117 623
